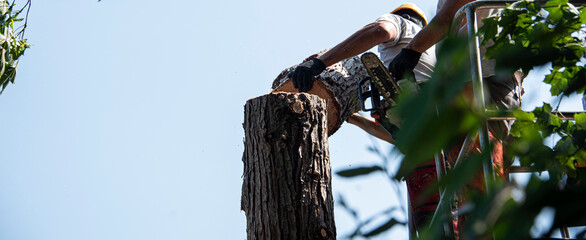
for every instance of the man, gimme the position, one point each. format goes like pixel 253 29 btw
pixel 391 32
pixel 504 91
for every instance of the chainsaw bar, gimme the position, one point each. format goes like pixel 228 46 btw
pixel 380 76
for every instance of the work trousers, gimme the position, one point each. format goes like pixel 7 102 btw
pixel 504 94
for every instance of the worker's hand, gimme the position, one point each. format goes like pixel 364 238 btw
pixel 403 64
pixel 408 87
pixel 394 117
pixel 304 74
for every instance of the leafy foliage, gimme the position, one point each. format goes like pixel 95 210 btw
pixel 533 35
pixel 440 103
pixel 568 151
pixel 523 36
pixel 12 45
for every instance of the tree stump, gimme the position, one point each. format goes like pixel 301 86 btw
pixel 287 193
pixel 338 84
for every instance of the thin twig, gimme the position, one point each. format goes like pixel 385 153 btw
pixel 23 7
pixel 25 18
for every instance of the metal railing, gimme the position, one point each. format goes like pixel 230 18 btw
pixel 469 13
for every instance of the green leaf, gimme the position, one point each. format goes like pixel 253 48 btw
pixel 567 127
pixel 488 30
pixel 523 116
pixel 555 121
pixel 580 119
pixel 582 15
pixel 581 156
pixel 565 147
pixel 520 127
pixel 386 226
pixel 555 13
pixel 359 171
pixel 558 81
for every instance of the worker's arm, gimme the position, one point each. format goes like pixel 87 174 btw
pixel 359 42
pixel 438 28
pixel 404 63
pixel 369 36
pixel 371 127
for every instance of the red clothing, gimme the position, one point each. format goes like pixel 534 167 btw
pixel 424 201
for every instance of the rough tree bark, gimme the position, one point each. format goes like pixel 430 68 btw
pixel 287 191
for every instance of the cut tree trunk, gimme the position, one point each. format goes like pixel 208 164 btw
pixel 338 84
pixel 287 193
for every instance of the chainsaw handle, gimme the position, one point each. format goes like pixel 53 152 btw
pixel 373 94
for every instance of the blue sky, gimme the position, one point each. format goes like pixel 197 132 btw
pixel 125 121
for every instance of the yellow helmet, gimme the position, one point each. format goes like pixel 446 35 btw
pixel 414 8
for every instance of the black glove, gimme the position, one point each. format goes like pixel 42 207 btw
pixel 403 64
pixel 304 74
